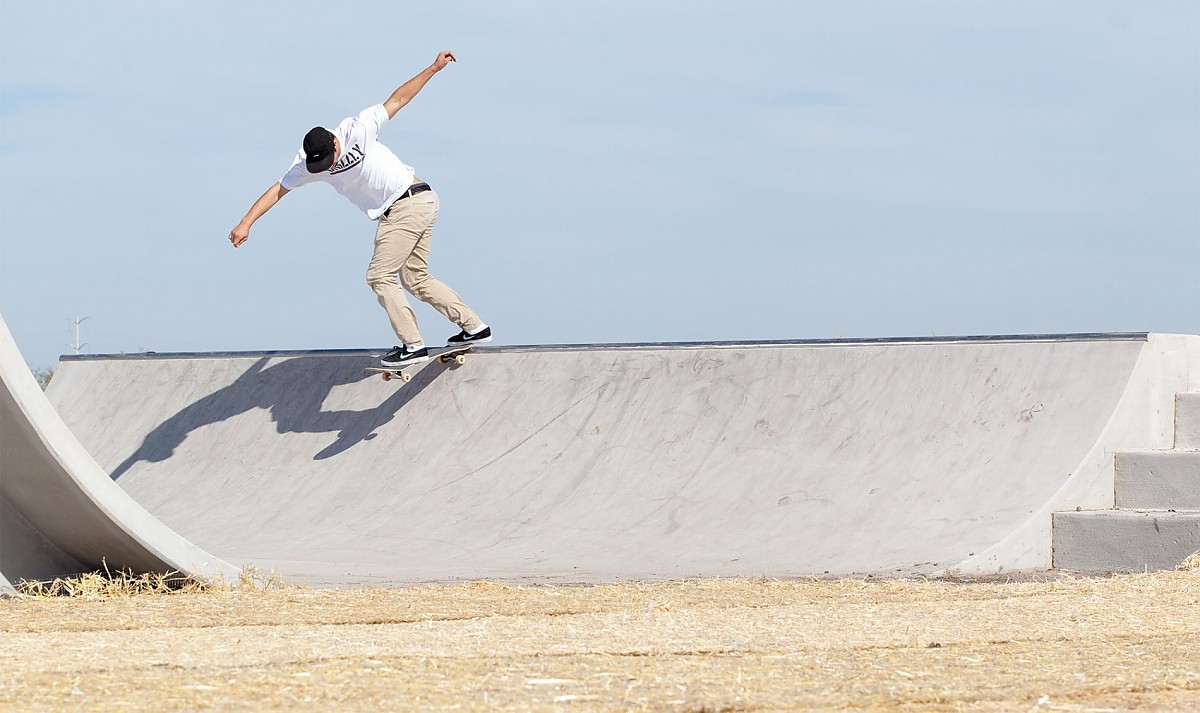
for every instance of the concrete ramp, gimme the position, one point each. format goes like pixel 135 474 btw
pixel 60 513
pixel 631 462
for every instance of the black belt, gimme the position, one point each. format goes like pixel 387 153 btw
pixel 413 190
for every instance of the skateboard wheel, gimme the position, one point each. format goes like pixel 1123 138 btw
pixel 406 377
pixel 387 376
pixel 460 359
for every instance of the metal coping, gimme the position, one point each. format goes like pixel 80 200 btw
pixel 634 346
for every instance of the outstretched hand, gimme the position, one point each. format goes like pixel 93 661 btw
pixel 444 57
pixel 239 235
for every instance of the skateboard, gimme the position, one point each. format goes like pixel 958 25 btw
pixel 458 355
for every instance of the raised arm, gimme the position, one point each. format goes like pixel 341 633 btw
pixel 405 92
pixel 265 202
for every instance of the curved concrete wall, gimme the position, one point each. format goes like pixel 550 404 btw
pixel 1143 418
pixel 627 463
pixel 60 513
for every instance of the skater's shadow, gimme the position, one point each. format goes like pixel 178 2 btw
pixel 294 392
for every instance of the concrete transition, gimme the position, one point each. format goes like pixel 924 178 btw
pixel 600 463
pixel 60 513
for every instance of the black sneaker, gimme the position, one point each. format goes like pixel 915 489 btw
pixel 458 340
pixel 401 356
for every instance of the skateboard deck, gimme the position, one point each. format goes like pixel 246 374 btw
pixel 458 355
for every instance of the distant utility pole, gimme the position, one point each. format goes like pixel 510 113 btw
pixel 76 322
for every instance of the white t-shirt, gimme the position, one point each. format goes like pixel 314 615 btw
pixel 367 173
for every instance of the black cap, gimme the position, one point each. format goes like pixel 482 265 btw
pixel 318 149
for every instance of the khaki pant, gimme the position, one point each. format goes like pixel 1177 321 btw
pixel 402 248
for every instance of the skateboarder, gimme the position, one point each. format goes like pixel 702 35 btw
pixel 352 160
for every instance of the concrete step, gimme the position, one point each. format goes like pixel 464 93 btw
pixel 1187 420
pixel 1124 540
pixel 1158 480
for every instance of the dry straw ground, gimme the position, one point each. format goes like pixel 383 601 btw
pixel 1060 644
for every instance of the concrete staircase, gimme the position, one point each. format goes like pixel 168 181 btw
pixel 1156 521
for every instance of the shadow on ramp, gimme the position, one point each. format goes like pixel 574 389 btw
pixel 294 392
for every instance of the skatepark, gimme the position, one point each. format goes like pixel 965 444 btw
pixel 607 463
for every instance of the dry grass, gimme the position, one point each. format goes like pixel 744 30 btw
pixel 1061 644
pixel 108 584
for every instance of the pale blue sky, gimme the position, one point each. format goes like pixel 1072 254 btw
pixel 609 171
